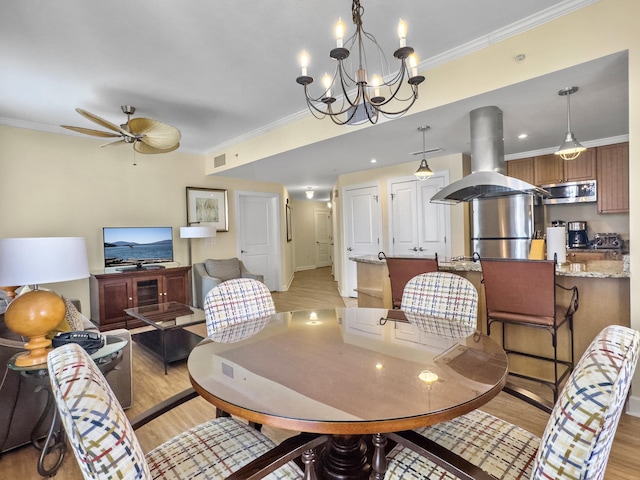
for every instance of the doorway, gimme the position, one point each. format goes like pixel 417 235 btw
pixel 258 239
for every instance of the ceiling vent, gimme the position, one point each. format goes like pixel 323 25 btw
pixel 219 161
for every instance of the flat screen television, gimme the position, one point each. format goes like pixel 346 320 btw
pixel 128 248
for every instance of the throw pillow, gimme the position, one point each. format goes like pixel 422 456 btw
pixel 73 316
pixel 223 269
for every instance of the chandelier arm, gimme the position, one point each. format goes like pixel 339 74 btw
pixel 398 113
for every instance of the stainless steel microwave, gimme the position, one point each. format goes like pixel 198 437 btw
pixel 571 192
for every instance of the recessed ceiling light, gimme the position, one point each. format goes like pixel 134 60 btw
pixel 522 136
pixel 373 160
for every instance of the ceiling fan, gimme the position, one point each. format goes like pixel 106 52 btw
pixel 146 135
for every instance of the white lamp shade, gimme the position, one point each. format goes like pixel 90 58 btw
pixel 200 231
pixel 33 261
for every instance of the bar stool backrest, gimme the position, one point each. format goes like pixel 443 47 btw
pixel 524 287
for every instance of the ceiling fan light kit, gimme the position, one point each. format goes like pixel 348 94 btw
pixel 570 148
pixel 147 135
pixel 363 97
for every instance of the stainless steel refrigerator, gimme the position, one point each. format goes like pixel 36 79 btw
pixel 503 227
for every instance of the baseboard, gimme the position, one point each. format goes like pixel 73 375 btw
pixel 633 406
pixel 305 267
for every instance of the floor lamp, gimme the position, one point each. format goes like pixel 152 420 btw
pixel 34 261
pixel 196 231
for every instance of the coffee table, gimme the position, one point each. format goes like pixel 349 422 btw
pixel 168 337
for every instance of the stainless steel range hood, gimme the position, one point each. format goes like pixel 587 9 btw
pixel 487 179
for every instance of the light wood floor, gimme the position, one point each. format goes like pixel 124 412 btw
pixel 310 289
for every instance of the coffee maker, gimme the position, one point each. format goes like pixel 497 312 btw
pixel 577 235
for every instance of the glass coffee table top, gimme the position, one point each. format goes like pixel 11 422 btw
pixel 167 316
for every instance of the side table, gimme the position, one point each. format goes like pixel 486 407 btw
pixel 107 358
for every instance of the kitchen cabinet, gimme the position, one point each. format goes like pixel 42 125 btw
pixel 549 169
pixel 417 226
pixel 112 293
pixel 613 178
pixel 521 169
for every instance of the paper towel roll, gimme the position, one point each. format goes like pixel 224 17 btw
pixel 557 244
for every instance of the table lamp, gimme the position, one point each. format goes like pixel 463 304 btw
pixel 33 261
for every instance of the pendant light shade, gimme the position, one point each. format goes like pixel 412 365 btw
pixel 423 171
pixel 570 148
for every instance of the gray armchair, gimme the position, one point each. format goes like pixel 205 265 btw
pixel 213 272
pixel 20 405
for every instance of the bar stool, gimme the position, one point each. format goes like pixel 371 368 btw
pixel 403 269
pixel 523 292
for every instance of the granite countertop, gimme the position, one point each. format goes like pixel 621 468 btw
pixel 590 269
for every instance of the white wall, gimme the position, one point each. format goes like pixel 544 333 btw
pixel 304 235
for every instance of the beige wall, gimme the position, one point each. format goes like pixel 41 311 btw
pixel 62 185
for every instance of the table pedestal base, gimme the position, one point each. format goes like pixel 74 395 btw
pixel 344 457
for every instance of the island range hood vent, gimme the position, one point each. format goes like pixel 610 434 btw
pixel 487 179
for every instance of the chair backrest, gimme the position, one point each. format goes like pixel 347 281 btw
pixel 224 269
pixel 100 434
pixel 443 295
pixel 235 302
pixel 577 440
pixel 403 269
pixel 519 286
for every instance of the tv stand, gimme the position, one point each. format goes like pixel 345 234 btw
pixel 112 293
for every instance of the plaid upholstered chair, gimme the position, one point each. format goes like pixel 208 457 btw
pixel 403 269
pixel 237 309
pixel 105 444
pixel 445 296
pixel 576 442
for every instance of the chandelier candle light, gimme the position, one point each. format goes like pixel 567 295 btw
pixel 362 97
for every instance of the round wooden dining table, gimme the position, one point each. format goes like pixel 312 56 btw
pixel 348 373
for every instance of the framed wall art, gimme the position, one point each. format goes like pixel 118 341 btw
pixel 208 205
pixel 288 219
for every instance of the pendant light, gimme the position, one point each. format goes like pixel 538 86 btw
pixel 423 171
pixel 570 148
pixel 309 192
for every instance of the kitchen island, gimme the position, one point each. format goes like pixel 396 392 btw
pixel 603 287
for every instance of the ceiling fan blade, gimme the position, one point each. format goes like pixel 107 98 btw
pixel 90 131
pixel 155 134
pixel 103 122
pixel 142 147
pixel 111 144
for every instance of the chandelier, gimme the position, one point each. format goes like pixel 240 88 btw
pixel 362 97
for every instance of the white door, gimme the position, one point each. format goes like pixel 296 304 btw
pixel 258 220
pixel 433 218
pixel 417 226
pixel 361 214
pixel 323 238
pixel 402 219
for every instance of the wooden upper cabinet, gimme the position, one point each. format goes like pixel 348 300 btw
pixel 582 168
pixel 548 169
pixel 613 178
pixel 521 168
